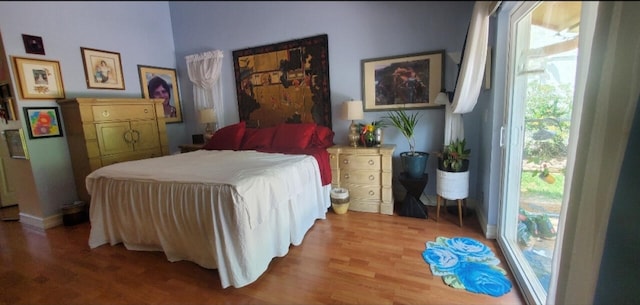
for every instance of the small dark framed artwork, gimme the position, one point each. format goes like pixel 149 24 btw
pixel 33 44
pixel 43 122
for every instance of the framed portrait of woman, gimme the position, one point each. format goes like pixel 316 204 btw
pixel 102 69
pixel 162 83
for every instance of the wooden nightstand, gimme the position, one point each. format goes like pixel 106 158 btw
pixel 190 147
pixel 366 172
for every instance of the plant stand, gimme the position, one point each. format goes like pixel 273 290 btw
pixel 452 186
pixel 411 205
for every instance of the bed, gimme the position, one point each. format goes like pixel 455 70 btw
pixel 232 208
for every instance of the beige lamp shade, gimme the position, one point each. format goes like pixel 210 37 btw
pixel 442 98
pixel 207 116
pixel 352 110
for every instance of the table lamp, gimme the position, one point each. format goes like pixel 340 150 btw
pixel 352 110
pixel 208 116
pixel 442 98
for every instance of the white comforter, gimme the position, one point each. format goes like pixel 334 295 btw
pixel 230 210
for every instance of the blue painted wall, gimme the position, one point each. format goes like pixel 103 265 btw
pixel 163 33
pixel 139 31
pixel 356 31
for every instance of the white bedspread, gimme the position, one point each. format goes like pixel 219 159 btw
pixel 230 210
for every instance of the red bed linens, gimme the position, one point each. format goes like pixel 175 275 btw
pixel 321 155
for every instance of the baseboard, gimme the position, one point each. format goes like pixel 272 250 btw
pixel 490 231
pixel 42 223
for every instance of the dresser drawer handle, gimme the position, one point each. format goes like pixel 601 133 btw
pixel 345 161
pixel 346 176
pixel 371 193
pixel 128 137
pixel 106 113
pixel 372 177
pixel 333 156
pixel 146 110
pixel 135 138
pixel 371 162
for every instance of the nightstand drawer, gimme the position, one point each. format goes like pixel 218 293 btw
pixel 370 206
pixel 360 177
pixel 363 192
pixel 369 162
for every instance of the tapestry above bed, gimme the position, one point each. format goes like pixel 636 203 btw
pixel 286 82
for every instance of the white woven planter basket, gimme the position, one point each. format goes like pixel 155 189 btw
pixel 452 185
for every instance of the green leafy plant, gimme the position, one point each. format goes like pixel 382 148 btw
pixel 406 123
pixel 454 155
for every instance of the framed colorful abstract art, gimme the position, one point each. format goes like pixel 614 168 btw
pixel 43 122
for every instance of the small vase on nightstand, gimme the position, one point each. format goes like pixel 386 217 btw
pixel 377 134
pixel 368 139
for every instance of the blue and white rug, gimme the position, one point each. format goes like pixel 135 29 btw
pixel 466 263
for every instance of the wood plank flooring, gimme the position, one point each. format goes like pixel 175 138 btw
pixel 354 258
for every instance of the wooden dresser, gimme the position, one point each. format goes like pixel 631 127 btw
pixel 103 131
pixel 366 173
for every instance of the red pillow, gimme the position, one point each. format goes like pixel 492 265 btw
pixel 293 135
pixel 258 138
pixel 322 137
pixel 227 138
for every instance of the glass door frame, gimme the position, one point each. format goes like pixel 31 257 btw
pixel 513 130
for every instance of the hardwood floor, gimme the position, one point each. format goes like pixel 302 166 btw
pixel 354 258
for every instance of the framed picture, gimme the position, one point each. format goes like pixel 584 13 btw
pixel 16 143
pixel 284 82
pixel 33 44
pixel 39 78
pixel 157 82
pixel 102 69
pixel 7 107
pixel 409 81
pixel 43 122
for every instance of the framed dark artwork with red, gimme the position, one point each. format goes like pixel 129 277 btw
pixel 410 81
pixel 286 82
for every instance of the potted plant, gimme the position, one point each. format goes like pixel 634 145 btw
pixel 452 181
pixel 454 157
pixel 413 162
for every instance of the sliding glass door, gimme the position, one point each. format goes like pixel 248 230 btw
pixel 543 52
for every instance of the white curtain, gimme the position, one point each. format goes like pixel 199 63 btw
pixel 609 82
pixel 453 125
pixel 471 71
pixel 204 73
